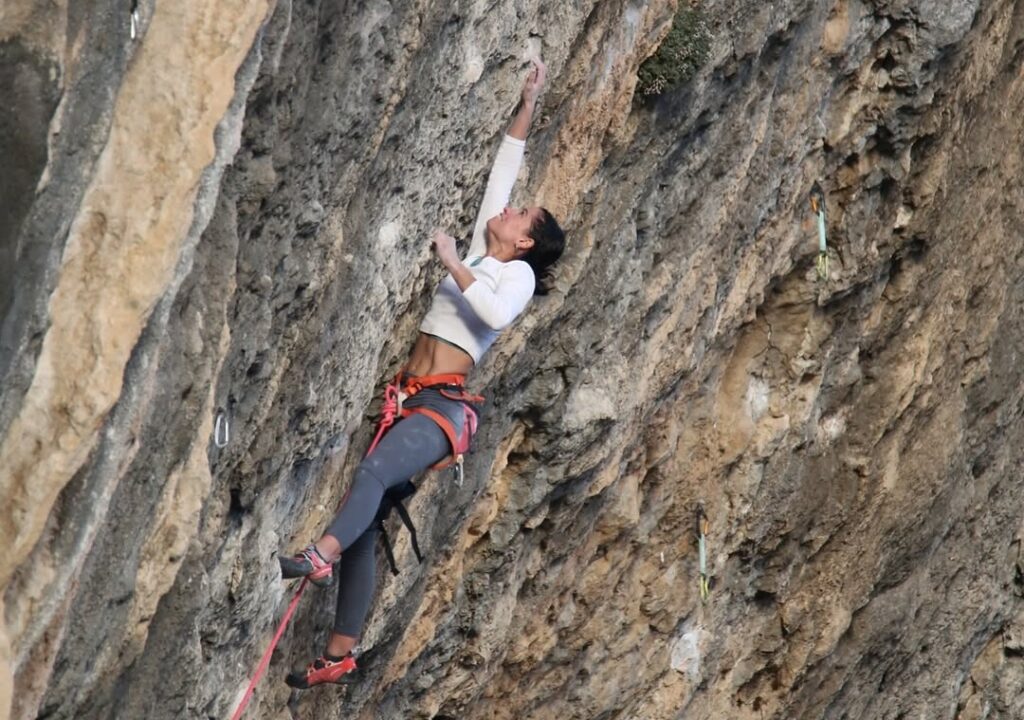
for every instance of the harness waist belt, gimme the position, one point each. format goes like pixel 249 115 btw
pixel 412 384
pixel 451 386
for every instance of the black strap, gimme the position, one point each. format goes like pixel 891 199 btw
pixel 392 502
pixel 407 521
pixel 387 549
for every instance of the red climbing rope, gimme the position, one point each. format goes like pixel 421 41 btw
pixel 388 412
pixel 265 660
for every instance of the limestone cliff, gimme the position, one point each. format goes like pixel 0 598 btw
pixel 215 221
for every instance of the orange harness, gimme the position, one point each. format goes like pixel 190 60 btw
pixel 450 386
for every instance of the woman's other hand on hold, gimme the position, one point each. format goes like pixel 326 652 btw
pixel 444 247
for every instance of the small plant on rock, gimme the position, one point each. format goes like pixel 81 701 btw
pixel 680 54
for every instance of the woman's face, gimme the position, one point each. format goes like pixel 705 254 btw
pixel 509 230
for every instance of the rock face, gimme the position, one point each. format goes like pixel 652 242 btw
pixel 219 228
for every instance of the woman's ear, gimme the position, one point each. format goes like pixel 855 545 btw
pixel 524 243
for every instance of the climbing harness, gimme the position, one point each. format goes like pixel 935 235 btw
pixel 221 439
pixel 818 208
pixel 449 386
pixel 395 393
pixel 702 531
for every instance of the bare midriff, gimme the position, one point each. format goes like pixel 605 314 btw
pixel 433 356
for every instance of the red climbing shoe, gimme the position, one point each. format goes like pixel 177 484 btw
pixel 320 671
pixel 308 563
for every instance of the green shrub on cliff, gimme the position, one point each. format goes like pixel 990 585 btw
pixel 681 53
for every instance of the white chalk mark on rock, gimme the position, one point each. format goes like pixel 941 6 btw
pixel 685 651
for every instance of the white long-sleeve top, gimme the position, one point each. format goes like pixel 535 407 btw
pixel 472 319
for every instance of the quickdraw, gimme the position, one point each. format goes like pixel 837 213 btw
pixel 818 208
pixel 702 530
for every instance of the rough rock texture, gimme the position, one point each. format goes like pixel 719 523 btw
pixel 226 220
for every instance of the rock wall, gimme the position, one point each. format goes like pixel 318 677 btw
pixel 226 218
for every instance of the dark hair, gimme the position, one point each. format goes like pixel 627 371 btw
pixel 548 244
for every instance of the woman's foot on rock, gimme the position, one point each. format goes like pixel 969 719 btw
pixel 322 670
pixel 308 563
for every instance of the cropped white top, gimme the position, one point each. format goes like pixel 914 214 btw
pixel 472 319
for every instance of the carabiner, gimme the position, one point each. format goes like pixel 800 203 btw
pixel 457 470
pixel 221 422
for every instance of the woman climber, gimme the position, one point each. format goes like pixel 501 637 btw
pixel 482 294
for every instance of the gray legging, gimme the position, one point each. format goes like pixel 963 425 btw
pixel 411 446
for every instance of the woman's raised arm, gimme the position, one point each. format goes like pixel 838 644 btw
pixel 508 159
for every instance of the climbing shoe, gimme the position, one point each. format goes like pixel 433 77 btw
pixel 322 670
pixel 307 563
